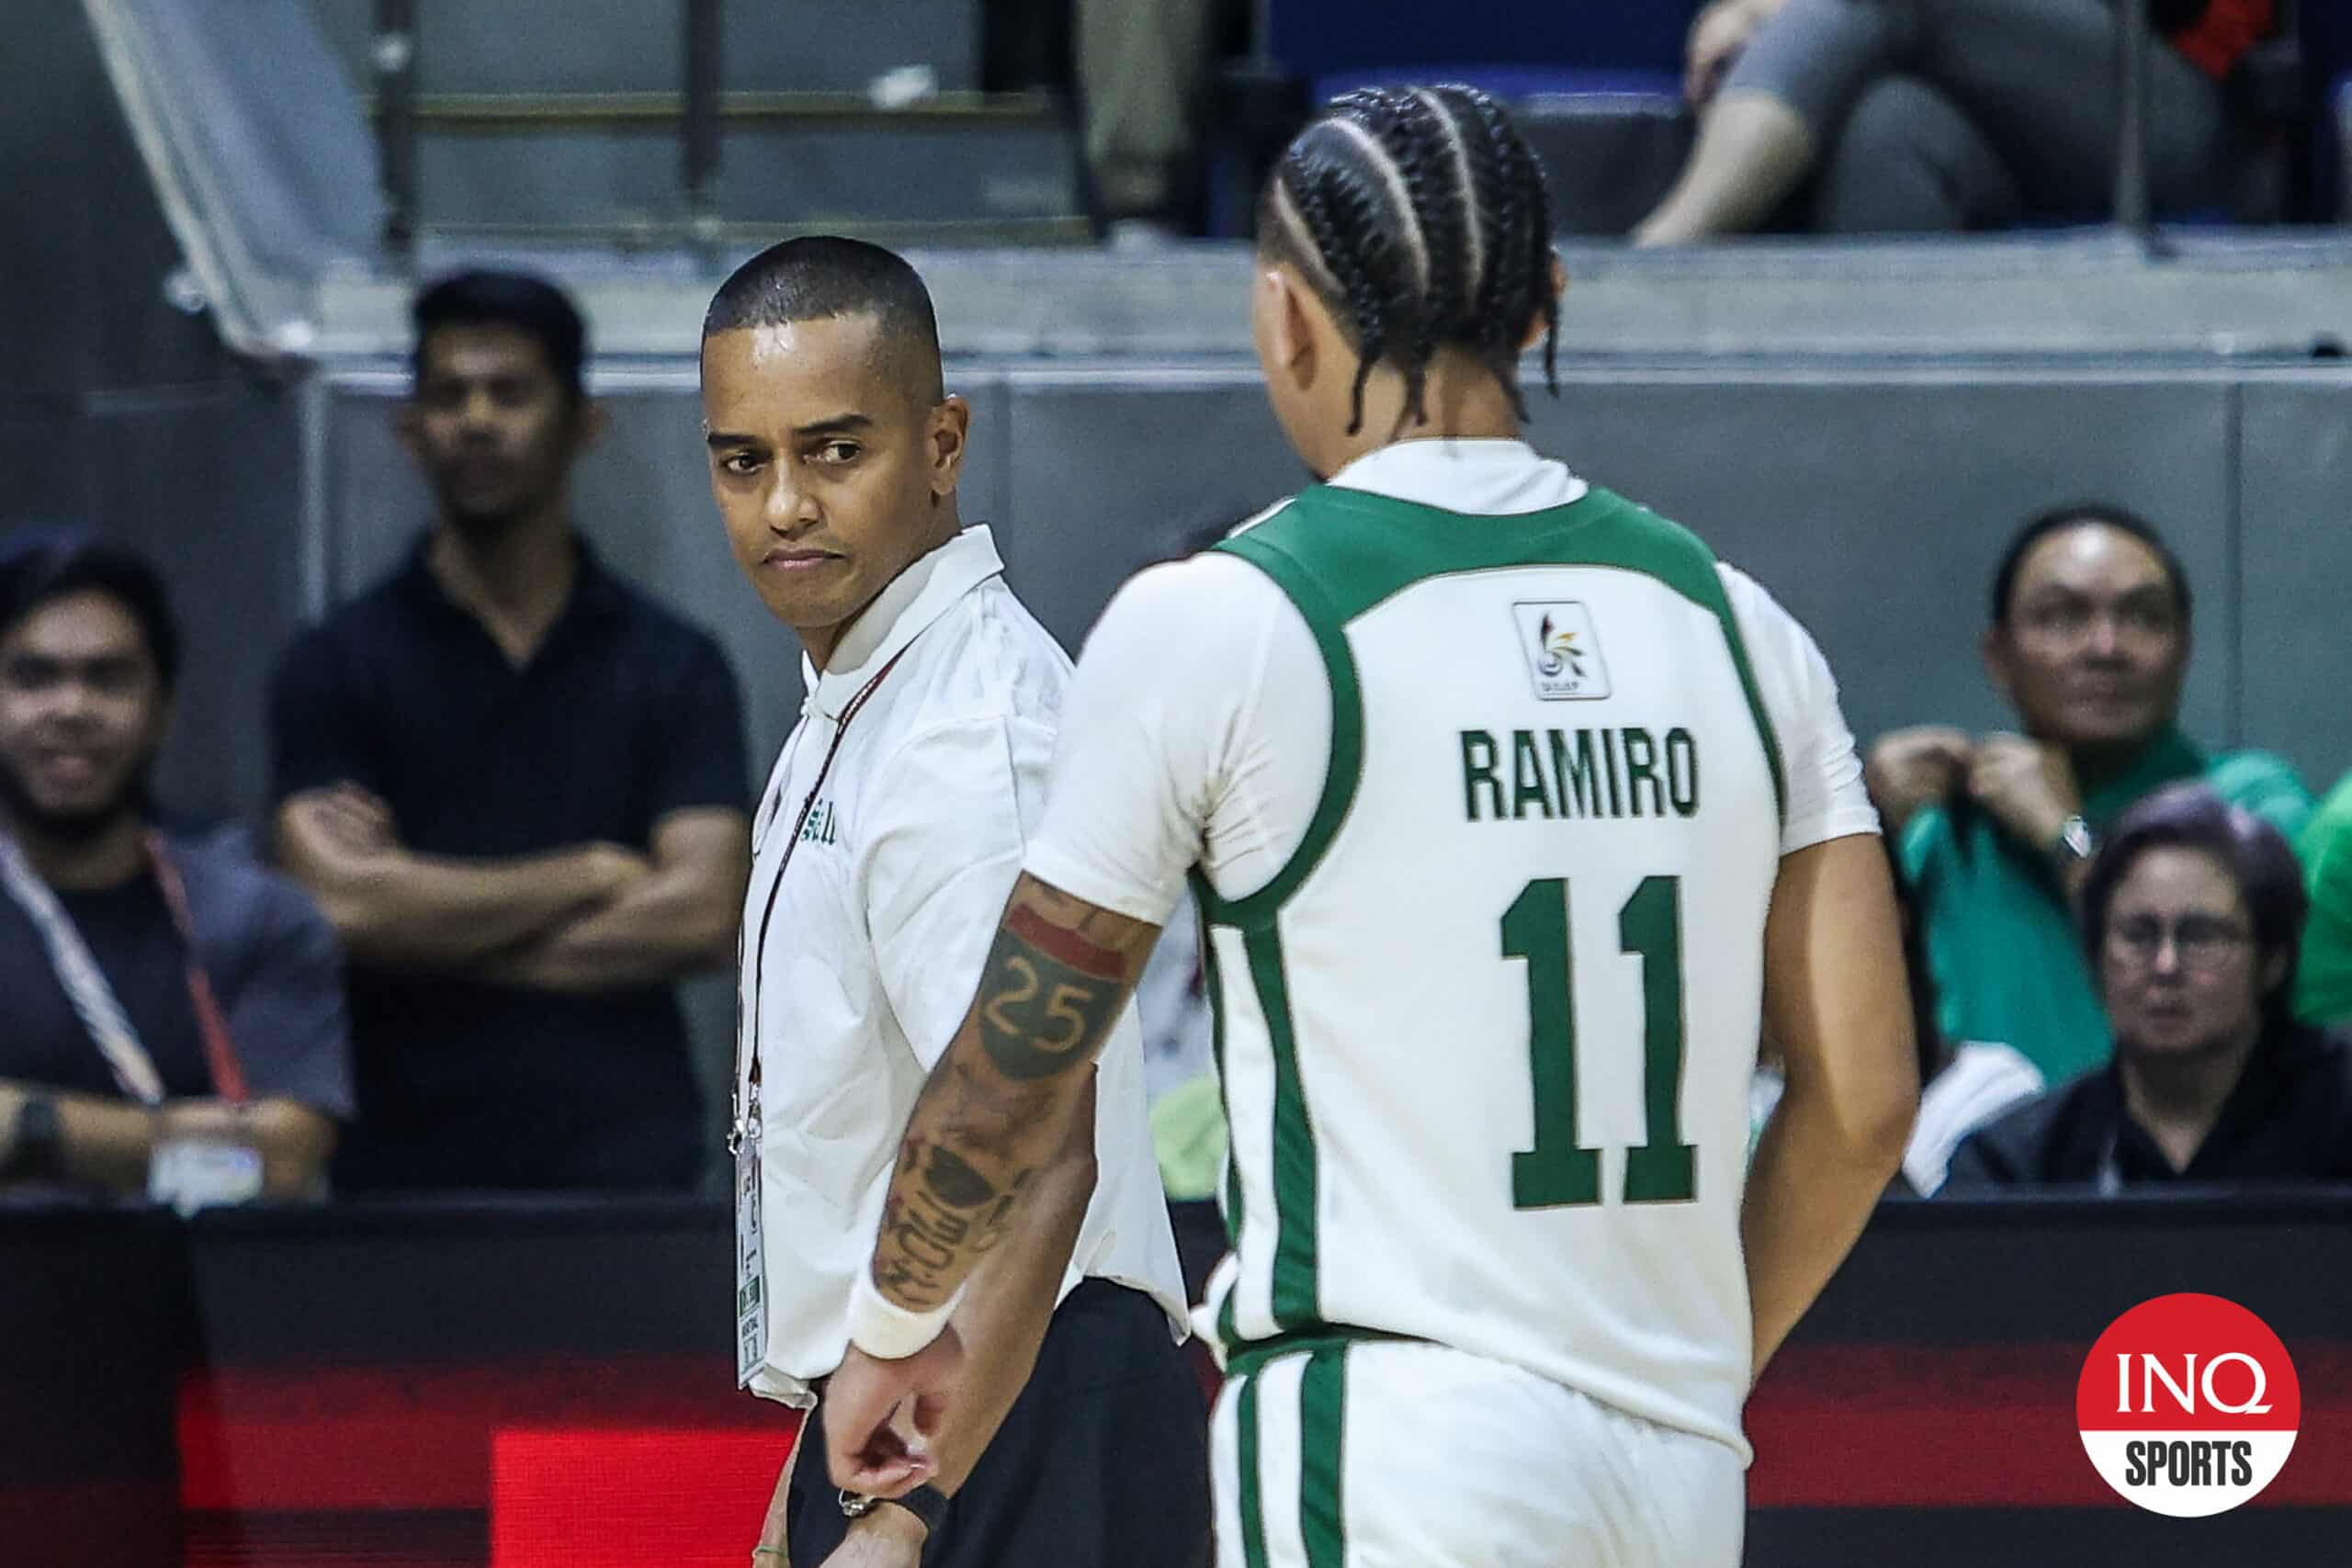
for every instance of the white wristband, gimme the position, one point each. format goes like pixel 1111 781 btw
pixel 883 1329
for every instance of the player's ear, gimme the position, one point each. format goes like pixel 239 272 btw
pixel 1280 311
pixel 950 432
pixel 1535 327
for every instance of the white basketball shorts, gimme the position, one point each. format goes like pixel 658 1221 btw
pixel 1375 1453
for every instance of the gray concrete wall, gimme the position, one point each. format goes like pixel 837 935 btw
pixel 1873 502
pixel 2295 567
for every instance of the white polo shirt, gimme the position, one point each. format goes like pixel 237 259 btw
pixel 861 958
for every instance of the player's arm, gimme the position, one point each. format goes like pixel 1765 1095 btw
pixel 997 1106
pixel 396 909
pixel 1142 754
pixel 1001 1324
pixel 1004 1316
pixel 992 1114
pixel 678 921
pixel 1836 1005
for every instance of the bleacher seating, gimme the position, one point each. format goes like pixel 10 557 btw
pixel 554 119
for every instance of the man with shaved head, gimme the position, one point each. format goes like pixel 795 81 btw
pixel 885 847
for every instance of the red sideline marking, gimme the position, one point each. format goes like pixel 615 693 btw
pixel 1067 946
pixel 624 1499
pixel 1988 1425
pixel 326 1439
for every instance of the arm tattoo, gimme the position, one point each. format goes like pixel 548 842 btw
pixel 1047 998
pixel 994 1113
pixel 950 1212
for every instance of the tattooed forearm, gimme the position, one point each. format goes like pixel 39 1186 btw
pixel 995 1110
pixel 951 1211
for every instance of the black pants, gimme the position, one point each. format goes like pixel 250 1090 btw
pixel 1102 1460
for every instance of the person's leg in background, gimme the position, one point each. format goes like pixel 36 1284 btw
pixel 2036 78
pixel 1908 162
pixel 1785 100
pixel 1141 68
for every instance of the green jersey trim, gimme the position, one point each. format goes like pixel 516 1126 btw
pixel 1297 1224
pixel 1212 977
pixel 1267 551
pixel 1353 551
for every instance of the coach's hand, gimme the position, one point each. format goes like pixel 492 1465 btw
pixel 879 1416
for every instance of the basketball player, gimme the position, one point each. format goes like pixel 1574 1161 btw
pixel 1517 817
pixel 891 831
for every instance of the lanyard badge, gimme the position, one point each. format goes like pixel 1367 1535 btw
pixel 744 1125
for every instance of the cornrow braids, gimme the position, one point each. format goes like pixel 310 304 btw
pixel 1519 216
pixel 1465 186
pixel 1415 136
pixel 1346 262
pixel 1420 214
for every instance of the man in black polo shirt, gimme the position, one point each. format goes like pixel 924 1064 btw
pixel 517 787
pixel 2192 915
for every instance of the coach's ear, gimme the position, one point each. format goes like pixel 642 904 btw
pixel 950 433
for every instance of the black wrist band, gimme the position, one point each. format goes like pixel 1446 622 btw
pixel 928 1503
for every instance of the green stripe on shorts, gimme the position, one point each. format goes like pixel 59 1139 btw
pixel 1245 1465
pixel 1322 1420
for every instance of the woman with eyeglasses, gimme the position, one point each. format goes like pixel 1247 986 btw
pixel 2192 916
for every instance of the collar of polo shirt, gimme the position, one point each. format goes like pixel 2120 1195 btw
pixel 900 614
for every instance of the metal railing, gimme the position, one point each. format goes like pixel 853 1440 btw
pixel 2133 212
pixel 701 132
pixel 393 57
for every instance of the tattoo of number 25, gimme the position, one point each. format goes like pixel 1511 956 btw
pixel 1047 998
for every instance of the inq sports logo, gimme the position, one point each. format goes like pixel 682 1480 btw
pixel 2189 1406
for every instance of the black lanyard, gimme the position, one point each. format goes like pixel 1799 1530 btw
pixel 776 885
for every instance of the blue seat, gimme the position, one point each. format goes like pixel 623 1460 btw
pixel 1512 84
pixel 1597 83
pixel 1319 39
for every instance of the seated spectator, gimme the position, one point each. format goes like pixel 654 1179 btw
pixel 2324 992
pixel 1926 116
pixel 156 994
pixel 2192 916
pixel 2088 642
pixel 517 787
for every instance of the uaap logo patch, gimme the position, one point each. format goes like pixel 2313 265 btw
pixel 1563 651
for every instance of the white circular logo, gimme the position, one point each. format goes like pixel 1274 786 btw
pixel 2189 1406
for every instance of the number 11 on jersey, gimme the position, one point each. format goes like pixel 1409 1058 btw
pixel 1559 1171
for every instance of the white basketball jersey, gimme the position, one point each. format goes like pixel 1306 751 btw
pixel 1487 1039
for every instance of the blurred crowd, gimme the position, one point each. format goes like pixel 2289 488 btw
pixel 507 815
